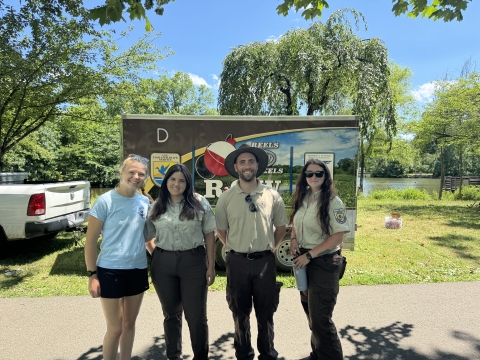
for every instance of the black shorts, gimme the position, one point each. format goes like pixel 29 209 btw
pixel 117 283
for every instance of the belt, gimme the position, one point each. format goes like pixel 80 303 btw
pixel 252 255
pixel 192 251
pixel 338 252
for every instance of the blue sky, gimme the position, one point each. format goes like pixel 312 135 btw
pixel 203 32
pixel 343 142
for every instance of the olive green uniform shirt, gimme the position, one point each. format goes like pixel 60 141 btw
pixel 250 231
pixel 307 225
pixel 174 234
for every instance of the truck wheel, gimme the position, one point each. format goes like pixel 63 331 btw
pixel 220 254
pixel 4 245
pixel 283 260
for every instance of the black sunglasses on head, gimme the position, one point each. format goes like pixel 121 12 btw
pixel 251 205
pixel 318 174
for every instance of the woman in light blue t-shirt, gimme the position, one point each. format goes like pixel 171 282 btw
pixel 119 274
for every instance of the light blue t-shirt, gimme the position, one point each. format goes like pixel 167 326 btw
pixel 123 244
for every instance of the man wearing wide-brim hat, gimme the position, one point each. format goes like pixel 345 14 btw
pixel 251 222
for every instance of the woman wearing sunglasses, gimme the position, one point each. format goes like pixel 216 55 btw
pixel 183 264
pixel 319 224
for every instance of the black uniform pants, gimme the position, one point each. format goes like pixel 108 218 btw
pixel 180 283
pixel 318 303
pixel 252 282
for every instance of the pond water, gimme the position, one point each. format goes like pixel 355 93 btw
pixel 369 185
pixel 372 184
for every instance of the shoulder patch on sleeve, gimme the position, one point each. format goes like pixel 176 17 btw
pixel 340 215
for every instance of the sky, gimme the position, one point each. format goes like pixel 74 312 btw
pixel 203 32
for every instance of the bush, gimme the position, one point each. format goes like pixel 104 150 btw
pixel 468 193
pixel 404 194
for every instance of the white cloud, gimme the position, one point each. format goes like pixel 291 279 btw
pixel 273 38
pixel 424 93
pixel 216 81
pixel 197 80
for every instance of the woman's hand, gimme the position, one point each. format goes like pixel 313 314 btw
pixel 300 261
pixel 94 286
pixel 210 276
pixel 294 248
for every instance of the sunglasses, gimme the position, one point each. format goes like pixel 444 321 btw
pixel 138 158
pixel 251 205
pixel 318 174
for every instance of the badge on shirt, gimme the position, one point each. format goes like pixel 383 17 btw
pixel 261 204
pixel 340 215
pixel 141 212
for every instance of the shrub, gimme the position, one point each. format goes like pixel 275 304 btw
pixel 404 194
pixel 468 193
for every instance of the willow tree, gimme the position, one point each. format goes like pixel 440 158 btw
pixel 325 69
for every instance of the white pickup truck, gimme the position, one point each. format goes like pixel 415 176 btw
pixel 40 209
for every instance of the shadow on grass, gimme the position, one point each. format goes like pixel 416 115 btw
pixel 383 343
pixel 28 251
pixel 457 244
pixel 466 224
pixel 69 262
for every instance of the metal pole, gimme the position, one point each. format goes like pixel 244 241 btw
pixel 291 169
pixel 193 168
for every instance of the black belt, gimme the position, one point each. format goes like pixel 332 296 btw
pixel 338 252
pixel 193 251
pixel 252 255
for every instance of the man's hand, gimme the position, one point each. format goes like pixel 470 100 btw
pixel 210 276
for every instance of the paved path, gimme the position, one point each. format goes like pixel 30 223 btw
pixel 412 322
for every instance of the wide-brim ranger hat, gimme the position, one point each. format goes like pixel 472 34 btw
pixel 259 153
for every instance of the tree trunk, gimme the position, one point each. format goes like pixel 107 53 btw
pixel 461 174
pixel 2 164
pixel 362 167
pixel 442 171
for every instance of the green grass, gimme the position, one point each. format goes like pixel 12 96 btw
pixel 439 242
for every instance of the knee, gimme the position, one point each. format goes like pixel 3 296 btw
pixel 128 324
pixel 114 331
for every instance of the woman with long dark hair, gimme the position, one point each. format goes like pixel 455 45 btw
pixel 183 264
pixel 319 224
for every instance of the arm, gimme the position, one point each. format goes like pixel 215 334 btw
pixel 222 235
pixel 210 246
pixel 150 246
pixel 279 234
pixel 93 233
pixel 294 248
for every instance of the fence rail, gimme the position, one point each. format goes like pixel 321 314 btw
pixel 452 183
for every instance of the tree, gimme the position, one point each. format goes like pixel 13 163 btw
pixel 325 69
pixel 452 119
pixel 46 66
pixel 381 149
pixel 166 95
pixel 446 10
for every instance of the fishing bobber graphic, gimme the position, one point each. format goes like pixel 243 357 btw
pixel 216 153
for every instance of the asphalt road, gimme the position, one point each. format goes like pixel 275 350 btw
pixel 413 322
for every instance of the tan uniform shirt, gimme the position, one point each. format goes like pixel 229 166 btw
pixel 250 231
pixel 307 225
pixel 174 234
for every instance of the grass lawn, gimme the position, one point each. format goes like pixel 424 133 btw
pixel 439 241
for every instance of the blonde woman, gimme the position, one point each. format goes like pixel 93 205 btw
pixel 119 275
